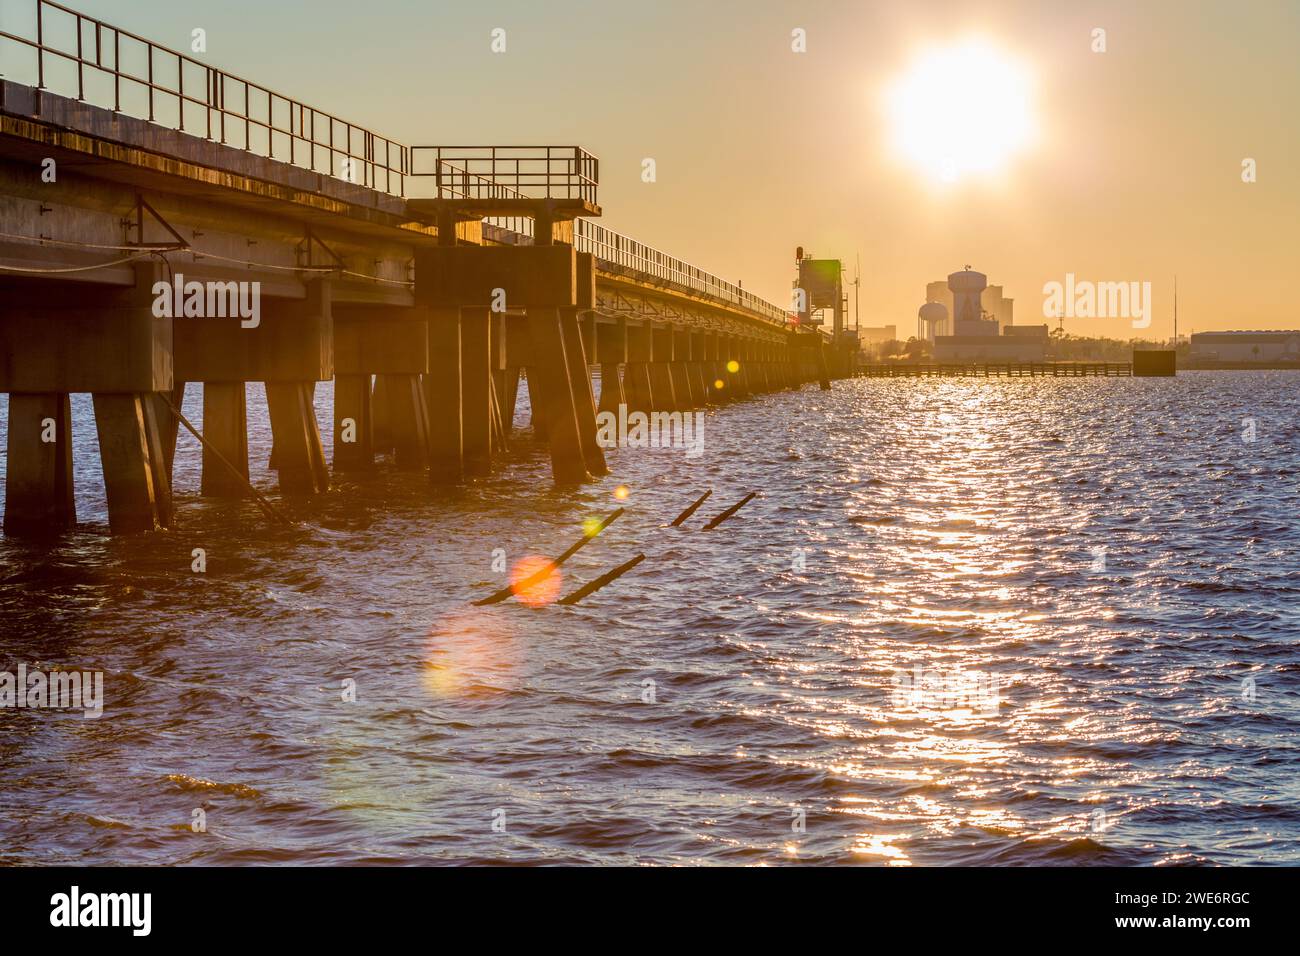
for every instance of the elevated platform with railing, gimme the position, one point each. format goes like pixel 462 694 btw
pixel 51 47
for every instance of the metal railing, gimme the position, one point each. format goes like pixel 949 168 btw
pixel 527 172
pixel 77 55
pixel 624 252
pixel 82 57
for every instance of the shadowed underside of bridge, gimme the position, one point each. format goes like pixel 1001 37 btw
pixel 136 258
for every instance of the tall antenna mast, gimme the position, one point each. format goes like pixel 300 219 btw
pixel 857 290
pixel 1175 313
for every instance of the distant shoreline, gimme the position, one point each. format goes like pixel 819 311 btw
pixel 1240 367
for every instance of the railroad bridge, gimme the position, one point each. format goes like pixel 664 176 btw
pixel 423 280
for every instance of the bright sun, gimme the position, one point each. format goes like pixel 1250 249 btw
pixel 961 110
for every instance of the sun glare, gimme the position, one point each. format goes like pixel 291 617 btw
pixel 961 110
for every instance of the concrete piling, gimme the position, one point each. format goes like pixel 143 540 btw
pixel 300 458
pixel 225 426
pixel 663 386
pixel 475 384
pixel 637 388
pixel 550 389
pixel 584 401
pixel 135 475
pixel 442 392
pixel 38 475
pixel 611 352
pixel 381 438
pixel 408 421
pixel 354 425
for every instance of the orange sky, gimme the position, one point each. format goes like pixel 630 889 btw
pixel 1136 174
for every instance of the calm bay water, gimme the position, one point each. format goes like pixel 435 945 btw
pixel 1111 555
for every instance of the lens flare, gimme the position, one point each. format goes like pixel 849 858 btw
pixel 621 492
pixel 718 383
pixel 535 593
pixel 733 366
pixel 468 652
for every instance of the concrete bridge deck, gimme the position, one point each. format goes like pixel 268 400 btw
pixel 134 238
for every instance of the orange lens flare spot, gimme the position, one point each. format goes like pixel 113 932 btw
pixel 534 591
pixel 621 492
pixel 719 383
pixel 733 366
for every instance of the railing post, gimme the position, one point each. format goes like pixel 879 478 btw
pixel 40 45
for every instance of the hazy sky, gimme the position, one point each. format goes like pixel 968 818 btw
pixel 1136 172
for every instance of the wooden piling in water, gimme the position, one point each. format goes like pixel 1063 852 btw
pixel 600 582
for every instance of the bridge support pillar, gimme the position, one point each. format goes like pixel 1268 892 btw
pixel 299 456
pixel 225 426
pixel 714 371
pixel 536 413
pixel 685 389
pixel 502 420
pixel 735 381
pixel 700 378
pixel 636 377
pixel 392 344
pixel 509 398
pixel 38 473
pixel 749 377
pixel 584 401
pixel 612 394
pixel 476 383
pixel 135 474
pixel 638 389
pixel 382 434
pixel 107 342
pixel 823 368
pixel 354 426
pixel 442 393
pixel 550 389
pixel 611 352
pixel 663 388
pixel 290 350
pixel 408 420
pixel 168 423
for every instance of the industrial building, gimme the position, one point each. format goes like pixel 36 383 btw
pixel 1262 347
pixel 877 334
pixel 981 323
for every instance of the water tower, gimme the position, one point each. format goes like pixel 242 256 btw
pixel 934 319
pixel 966 287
